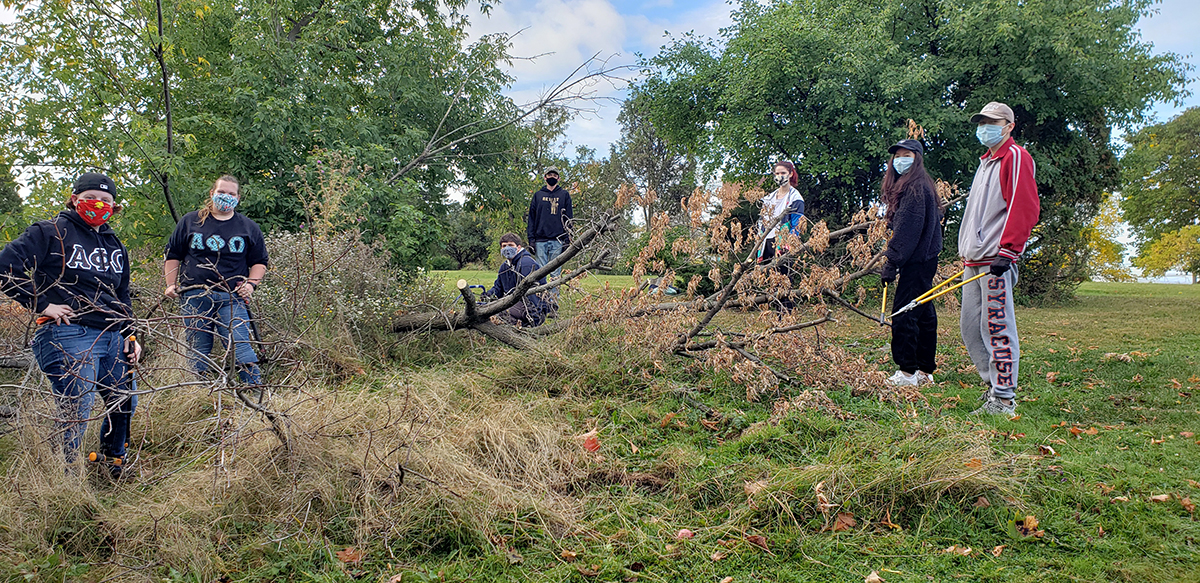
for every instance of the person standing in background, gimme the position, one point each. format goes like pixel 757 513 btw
pixel 548 224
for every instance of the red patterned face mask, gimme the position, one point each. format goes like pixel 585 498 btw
pixel 94 212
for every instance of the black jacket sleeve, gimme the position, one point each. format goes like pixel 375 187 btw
pixel 126 301
pixel 531 219
pixel 568 217
pixel 257 252
pixel 16 261
pixel 908 225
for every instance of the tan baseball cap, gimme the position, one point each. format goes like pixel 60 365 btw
pixel 994 110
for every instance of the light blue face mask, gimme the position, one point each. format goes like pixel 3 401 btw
pixel 510 252
pixel 902 164
pixel 224 203
pixel 990 135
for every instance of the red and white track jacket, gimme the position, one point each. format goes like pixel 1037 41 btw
pixel 1002 208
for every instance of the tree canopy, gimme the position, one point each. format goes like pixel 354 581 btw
pixel 1161 191
pixel 255 88
pixel 831 83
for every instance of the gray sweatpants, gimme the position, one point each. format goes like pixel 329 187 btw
pixel 989 328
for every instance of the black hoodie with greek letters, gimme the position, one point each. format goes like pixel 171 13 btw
pixel 64 261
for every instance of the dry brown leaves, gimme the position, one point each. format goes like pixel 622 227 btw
pixel 844 521
pixel 814 400
pixel 1028 526
pixel 758 540
pixel 350 555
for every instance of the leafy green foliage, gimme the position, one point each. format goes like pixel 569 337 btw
pixel 466 236
pixel 255 89
pixel 1175 250
pixel 830 84
pixel 1107 259
pixel 650 161
pixel 1161 177
pixel 10 197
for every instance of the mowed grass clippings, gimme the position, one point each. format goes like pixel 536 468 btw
pixel 598 466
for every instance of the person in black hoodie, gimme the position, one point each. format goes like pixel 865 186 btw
pixel 518 264
pixel 914 214
pixel 548 223
pixel 74 273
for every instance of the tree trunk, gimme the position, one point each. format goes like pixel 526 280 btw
pixel 166 87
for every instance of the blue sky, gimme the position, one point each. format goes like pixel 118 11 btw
pixel 573 30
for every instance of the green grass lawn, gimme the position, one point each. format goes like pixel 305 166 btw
pixel 1109 405
pixel 1104 454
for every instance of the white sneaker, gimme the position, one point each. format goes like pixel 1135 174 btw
pixel 903 379
pixel 924 378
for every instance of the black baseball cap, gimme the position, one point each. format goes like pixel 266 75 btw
pixel 911 145
pixel 95 181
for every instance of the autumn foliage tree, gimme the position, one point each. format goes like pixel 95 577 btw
pixel 1161 192
pixel 830 83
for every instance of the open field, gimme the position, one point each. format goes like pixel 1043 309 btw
pixel 1105 455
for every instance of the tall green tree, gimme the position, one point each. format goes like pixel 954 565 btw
pixel 1178 249
pixel 1161 178
pixel 466 239
pixel 10 195
pixel 652 162
pixel 830 84
pixel 254 89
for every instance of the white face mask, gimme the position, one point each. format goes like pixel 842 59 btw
pixel 781 179
pixel 902 164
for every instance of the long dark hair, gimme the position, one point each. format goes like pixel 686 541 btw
pixel 896 186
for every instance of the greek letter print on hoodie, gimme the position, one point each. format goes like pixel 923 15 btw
pixel 71 264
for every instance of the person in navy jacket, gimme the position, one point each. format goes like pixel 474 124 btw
pixel 73 272
pixel 518 264
pixel 914 214
pixel 218 257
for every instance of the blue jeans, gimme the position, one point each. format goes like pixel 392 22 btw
pixel 80 362
pixel 224 314
pixel 546 251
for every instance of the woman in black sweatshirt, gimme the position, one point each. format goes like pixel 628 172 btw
pixel 74 273
pixel 914 215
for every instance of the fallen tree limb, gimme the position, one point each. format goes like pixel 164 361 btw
pixel 19 360
pixel 478 317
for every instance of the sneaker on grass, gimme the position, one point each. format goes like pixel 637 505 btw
pixel 924 378
pixel 997 406
pixel 903 379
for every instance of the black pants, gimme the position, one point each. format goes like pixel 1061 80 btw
pixel 785 267
pixel 914 333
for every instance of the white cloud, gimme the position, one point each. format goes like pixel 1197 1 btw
pixel 565 33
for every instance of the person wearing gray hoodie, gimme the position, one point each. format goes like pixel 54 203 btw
pixel 1002 208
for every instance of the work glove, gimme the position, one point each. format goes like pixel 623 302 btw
pixel 1000 265
pixel 888 275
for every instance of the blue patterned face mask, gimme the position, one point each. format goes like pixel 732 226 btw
pixel 990 135
pixel 902 164
pixel 510 252
pixel 224 203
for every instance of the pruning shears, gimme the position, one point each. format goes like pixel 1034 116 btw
pixel 929 296
pixel 883 306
